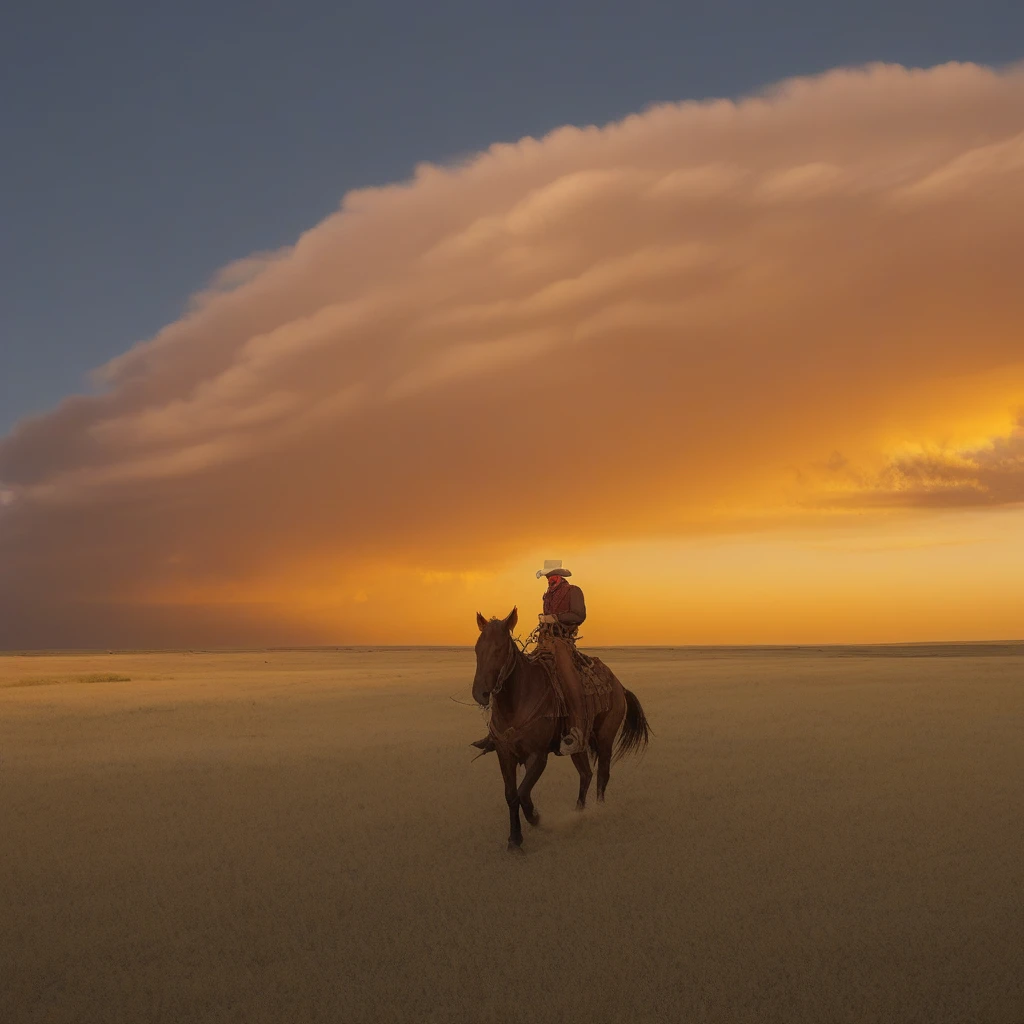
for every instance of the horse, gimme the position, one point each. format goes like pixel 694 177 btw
pixel 526 728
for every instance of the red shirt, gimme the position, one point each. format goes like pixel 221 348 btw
pixel 566 603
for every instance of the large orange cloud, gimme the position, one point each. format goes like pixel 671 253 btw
pixel 657 327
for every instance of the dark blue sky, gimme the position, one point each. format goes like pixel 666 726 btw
pixel 145 145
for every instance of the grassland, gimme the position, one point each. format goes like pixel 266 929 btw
pixel 813 836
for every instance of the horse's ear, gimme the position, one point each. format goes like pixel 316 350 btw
pixel 512 619
pixel 480 621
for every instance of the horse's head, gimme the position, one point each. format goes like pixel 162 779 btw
pixel 494 648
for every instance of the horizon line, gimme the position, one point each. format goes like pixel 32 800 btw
pixel 283 648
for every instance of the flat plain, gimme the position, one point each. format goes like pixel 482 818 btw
pixel 820 835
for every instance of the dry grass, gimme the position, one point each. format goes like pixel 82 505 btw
pixel 300 837
pixel 92 677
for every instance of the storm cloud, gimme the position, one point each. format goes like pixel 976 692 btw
pixel 649 327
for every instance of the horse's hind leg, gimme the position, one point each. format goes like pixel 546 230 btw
pixel 604 768
pixel 605 741
pixel 535 766
pixel 582 762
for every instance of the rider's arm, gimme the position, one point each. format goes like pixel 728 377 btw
pixel 577 609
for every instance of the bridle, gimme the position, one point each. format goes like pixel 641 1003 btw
pixel 507 668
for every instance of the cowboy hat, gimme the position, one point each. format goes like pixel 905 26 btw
pixel 553 567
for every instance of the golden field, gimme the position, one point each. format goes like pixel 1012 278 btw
pixel 820 836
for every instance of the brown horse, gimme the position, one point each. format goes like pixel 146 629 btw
pixel 525 726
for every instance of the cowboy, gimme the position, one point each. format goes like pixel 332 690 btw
pixel 564 611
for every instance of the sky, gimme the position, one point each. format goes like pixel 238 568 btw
pixel 329 323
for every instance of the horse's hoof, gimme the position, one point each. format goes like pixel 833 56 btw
pixel 515 847
pixel 535 820
pixel 580 806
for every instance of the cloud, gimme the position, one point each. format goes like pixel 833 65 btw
pixel 605 333
pixel 991 475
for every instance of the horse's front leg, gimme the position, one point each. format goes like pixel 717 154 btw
pixel 535 766
pixel 508 773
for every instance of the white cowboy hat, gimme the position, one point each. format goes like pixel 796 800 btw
pixel 553 567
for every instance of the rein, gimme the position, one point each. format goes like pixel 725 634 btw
pixel 508 735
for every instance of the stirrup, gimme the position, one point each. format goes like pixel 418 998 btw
pixel 486 744
pixel 572 742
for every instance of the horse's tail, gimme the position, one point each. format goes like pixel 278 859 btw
pixel 635 731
